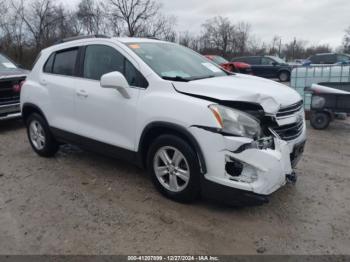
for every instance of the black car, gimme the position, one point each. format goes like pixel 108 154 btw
pixel 11 79
pixel 267 66
pixel 329 58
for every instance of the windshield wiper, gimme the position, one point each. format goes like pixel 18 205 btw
pixel 201 77
pixel 176 78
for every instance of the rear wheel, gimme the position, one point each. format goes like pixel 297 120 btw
pixel 40 137
pixel 320 120
pixel 284 76
pixel 174 168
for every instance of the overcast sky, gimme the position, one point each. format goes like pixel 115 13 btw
pixel 318 21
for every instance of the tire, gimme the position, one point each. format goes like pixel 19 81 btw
pixel 284 76
pixel 40 137
pixel 320 120
pixel 169 179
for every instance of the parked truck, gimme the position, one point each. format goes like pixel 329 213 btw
pixel 11 80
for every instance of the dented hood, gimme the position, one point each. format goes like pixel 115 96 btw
pixel 242 88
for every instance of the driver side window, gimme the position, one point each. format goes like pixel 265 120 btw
pixel 266 61
pixel 101 59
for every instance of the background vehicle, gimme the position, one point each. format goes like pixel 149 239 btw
pixel 237 67
pixel 329 58
pixel 327 102
pixel 11 79
pixel 267 66
pixel 196 127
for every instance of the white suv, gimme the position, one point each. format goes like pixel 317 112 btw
pixel 198 129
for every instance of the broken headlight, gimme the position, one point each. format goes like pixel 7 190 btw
pixel 236 122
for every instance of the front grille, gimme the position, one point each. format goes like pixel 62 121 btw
pixel 290 110
pixel 7 94
pixel 291 131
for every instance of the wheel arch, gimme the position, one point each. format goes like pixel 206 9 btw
pixel 282 70
pixel 156 129
pixel 28 109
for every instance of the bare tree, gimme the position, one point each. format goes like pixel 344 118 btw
pixel 41 18
pixel 160 26
pixel 185 39
pixel 133 14
pixel 346 40
pixel 218 34
pixel 275 48
pixel 240 37
pixel 92 17
pixel 13 29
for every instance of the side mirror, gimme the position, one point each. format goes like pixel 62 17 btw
pixel 275 64
pixel 117 81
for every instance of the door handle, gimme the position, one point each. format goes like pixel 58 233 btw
pixel 82 93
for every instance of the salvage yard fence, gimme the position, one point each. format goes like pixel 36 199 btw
pixel 336 76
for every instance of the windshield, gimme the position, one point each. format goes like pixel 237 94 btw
pixel 219 60
pixel 174 62
pixel 6 64
pixel 279 60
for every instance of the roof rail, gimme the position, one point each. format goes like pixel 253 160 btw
pixel 79 37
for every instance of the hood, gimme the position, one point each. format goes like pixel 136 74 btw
pixel 242 88
pixel 18 72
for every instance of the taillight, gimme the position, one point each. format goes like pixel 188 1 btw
pixel 17 87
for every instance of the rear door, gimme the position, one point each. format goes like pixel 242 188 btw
pixel 260 69
pixel 268 68
pixel 104 114
pixel 58 78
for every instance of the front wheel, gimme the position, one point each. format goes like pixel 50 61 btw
pixel 174 168
pixel 40 137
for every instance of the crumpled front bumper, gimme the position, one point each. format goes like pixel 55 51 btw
pixel 268 168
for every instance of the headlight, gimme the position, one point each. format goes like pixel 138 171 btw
pixel 236 122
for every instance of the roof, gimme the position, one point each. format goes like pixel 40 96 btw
pixel 78 40
pixel 136 40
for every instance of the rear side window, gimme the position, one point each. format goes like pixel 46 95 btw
pixel 329 59
pixel 49 63
pixel 266 61
pixel 64 62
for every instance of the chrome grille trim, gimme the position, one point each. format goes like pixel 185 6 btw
pixel 290 110
pixel 291 131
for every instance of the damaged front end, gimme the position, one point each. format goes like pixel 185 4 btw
pixel 253 159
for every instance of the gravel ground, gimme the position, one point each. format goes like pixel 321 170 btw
pixel 82 203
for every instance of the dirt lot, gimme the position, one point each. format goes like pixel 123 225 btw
pixel 82 203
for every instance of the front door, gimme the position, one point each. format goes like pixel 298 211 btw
pixel 104 114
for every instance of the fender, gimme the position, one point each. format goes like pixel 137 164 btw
pixel 178 129
pixel 35 107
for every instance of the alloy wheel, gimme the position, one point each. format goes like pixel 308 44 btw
pixel 37 135
pixel 171 169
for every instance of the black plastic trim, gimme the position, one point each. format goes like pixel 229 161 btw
pixel 30 105
pixel 231 196
pixel 177 128
pixel 96 146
